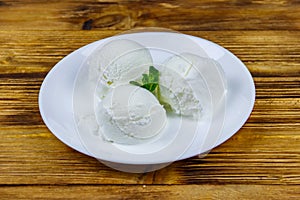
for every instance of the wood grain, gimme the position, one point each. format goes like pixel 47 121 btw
pixel 127 14
pixel 193 192
pixel 265 53
pixel 32 155
pixel 261 161
pixel 260 153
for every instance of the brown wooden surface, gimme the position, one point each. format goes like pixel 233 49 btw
pixel 261 161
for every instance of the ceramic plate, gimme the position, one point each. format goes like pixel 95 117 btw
pixel 56 96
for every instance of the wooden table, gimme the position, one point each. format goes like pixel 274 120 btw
pixel 261 161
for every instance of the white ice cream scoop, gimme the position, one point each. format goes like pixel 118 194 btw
pixel 188 82
pixel 130 115
pixel 118 61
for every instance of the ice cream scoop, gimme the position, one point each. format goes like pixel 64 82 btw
pixel 118 61
pixel 130 115
pixel 188 83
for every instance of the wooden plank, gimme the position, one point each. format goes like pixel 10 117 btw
pixel 127 14
pixel 32 155
pixel 279 87
pixel 277 100
pixel 234 192
pixel 260 155
pixel 265 53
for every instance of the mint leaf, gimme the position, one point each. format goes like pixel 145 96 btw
pixel 135 83
pixel 150 86
pixel 150 82
pixel 153 75
pixel 145 78
pixel 153 87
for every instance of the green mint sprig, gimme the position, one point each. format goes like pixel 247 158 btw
pixel 150 82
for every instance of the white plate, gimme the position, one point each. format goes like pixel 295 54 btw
pixel 56 95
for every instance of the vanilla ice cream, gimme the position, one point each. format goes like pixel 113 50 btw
pixel 177 93
pixel 129 115
pixel 188 81
pixel 118 61
pixel 201 73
